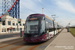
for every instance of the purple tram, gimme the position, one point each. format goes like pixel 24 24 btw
pixel 38 27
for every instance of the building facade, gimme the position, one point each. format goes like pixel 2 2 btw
pixel 9 24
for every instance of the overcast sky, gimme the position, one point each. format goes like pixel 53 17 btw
pixel 63 9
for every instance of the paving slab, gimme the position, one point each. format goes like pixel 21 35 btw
pixel 64 41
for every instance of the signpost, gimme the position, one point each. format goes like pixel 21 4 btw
pixel 0 19
pixel 19 20
pixel 53 23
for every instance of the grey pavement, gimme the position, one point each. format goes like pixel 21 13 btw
pixel 64 41
pixel 8 39
pixel 2 36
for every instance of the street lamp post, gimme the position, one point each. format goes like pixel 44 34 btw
pixel 54 27
pixel 53 22
pixel 68 25
pixel 42 10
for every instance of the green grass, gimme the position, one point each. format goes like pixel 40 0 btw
pixel 72 30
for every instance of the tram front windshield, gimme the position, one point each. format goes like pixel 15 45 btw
pixel 32 27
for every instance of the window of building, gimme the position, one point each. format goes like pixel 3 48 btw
pixel 20 24
pixel 9 22
pixel 16 24
pixel 23 24
pixel 20 29
pixel 17 29
pixel 3 22
pixel 13 24
pixel 13 29
pixel 3 30
pixel 7 30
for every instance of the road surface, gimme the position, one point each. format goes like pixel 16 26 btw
pixel 19 44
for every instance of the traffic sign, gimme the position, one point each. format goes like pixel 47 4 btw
pixel 19 22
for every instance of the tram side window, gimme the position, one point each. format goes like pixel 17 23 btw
pixel 47 26
pixel 50 30
pixel 50 27
pixel 42 26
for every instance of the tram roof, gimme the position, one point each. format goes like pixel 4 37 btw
pixel 48 17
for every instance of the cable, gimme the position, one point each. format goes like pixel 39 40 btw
pixel 30 9
pixel 43 6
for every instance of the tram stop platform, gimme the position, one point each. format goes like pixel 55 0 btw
pixel 64 41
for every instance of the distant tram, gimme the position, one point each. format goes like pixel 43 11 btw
pixel 39 27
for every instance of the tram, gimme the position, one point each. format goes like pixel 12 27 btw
pixel 39 27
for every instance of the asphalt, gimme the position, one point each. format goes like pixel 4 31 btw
pixel 8 39
pixel 3 36
pixel 64 41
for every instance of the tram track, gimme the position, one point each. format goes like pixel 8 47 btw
pixel 19 44
pixel 43 45
pixel 10 44
pixel 25 45
pixel 17 47
pixel 32 48
pixel 9 41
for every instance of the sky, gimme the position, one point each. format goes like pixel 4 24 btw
pixel 64 10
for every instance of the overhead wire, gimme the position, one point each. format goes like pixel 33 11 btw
pixel 30 9
pixel 44 6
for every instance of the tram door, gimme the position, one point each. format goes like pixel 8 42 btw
pixel 47 34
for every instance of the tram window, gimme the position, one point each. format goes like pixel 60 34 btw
pixel 50 30
pixel 33 27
